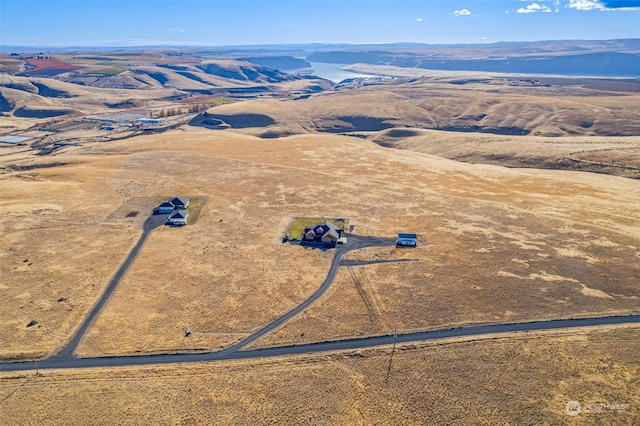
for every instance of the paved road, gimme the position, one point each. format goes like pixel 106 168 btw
pixel 66 359
pixel 337 345
pixel 150 224
pixel 354 242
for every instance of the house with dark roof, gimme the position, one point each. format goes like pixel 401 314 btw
pixel 178 218
pixel 325 232
pixel 179 203
pixel 166 207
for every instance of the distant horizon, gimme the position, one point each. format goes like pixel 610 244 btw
pixel 293 45
pixel 226 23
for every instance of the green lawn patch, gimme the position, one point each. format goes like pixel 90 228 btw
pixel 195 206
pixel 298 224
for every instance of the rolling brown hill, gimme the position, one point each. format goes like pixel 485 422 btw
pixel 47 94
pixel 496 245
pixel 569 124
pixel 484 105
pixel 588 124
pixel 129 83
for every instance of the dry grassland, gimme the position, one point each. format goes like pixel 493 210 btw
pixel 15 124
pixel 463 104
pixel 618 156
pixel 516 379
pixel 569 126
pixel 539 258
pixel 58 251
pixel 496 244
pixel 10 65
pixel 494 265
pixel 84 100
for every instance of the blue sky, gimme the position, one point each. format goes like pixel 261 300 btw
pixel 240 22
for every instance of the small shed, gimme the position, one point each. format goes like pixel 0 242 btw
pixel 407 240
pixel 178 218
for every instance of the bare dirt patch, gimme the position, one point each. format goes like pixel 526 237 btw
pixel 141 206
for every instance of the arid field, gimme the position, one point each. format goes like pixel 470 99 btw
pixel 496 244
pixel 524 199
pixel 522 379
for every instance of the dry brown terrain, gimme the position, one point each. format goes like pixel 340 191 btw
pixel 522 379
pixel 496 244
pixel 568 124
pixel 583 124
pixel 528 244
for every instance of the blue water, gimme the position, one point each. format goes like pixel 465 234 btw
pixel 331 71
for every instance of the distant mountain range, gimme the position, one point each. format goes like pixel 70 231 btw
pixel 591 64
pixel 570 57
pixel 593 58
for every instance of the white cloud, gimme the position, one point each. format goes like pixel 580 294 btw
pixel 625 5
pixel 463 12
pixel 585 4
pixel 533 8
pixel 418 19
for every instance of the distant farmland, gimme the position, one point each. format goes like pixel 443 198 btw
pixel 48 67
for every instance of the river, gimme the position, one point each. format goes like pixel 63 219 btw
pixel 330 71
